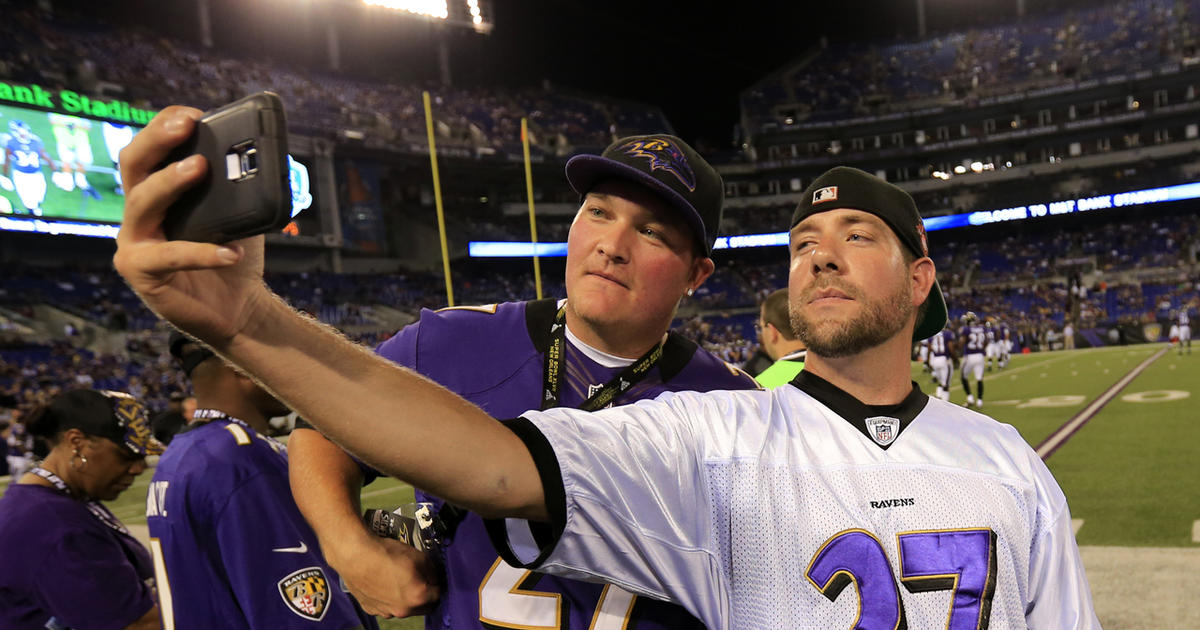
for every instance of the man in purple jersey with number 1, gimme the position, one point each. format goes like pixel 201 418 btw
pixel 641 241
pixel 231 550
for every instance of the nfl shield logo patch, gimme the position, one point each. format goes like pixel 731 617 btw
pixel 306 593
pixel 828 193
pixel 883 429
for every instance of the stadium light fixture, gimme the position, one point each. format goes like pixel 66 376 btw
pixel 462 13
pixel 429 8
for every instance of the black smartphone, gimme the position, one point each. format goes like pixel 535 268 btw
pixel 246 191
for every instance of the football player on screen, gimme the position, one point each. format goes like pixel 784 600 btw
pixel 24 156
pixel 74 152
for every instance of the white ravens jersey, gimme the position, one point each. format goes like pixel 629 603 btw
pixel 758 509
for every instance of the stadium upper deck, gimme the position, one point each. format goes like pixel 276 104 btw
pixel 860 79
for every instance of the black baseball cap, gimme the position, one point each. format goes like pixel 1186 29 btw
pixel 667 166
pixel 102 413
pixel 188 351
pixel 845 187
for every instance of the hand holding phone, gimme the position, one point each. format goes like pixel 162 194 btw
pixel 246 191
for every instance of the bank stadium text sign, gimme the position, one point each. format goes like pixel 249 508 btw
pixel 72 102
pixel 1068 206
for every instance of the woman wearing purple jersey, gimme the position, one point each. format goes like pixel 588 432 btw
pixel 68 561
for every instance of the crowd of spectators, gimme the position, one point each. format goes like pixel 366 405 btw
pixel 152 71
pixel 1103 248
pixel 1038 51
pixel 1039 312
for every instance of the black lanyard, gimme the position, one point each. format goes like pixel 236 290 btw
pixel 556 371
pixel 95 507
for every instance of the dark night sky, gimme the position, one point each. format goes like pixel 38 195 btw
pixel 691 59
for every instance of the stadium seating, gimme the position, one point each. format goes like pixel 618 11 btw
pixel 855 79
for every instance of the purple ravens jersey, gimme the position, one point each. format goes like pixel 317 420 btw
pixel 61 567
pixel 939 344
pixel 974 339
pixel 494 357
pixel 231 546
pixel 26 155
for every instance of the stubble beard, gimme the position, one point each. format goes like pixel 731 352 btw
pixel 878 322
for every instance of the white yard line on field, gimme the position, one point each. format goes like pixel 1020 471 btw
pixel 1064 433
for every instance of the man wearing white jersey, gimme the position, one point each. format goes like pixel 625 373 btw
pixel 1184 321
pixel 992 349
pixel 1005 335
pixel 751 509
pixel 941 356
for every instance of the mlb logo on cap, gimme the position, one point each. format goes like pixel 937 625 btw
pixel 828 193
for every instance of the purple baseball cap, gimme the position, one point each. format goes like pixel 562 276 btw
pixel 668 167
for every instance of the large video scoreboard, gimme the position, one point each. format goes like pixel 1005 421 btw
pixel 61 162
pixel 58 162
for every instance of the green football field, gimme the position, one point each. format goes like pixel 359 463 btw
pixel 1129 473
pixel 69 204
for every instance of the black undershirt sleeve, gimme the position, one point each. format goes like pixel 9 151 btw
pixel 545 534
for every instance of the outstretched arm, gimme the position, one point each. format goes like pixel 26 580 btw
pixel 381 412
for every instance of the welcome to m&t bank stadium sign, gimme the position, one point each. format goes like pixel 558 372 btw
pixel 74 103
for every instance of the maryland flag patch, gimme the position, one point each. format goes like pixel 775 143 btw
pixel 306 593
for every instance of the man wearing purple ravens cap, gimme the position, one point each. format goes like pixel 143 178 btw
pixel 649 213
pixel 667 166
